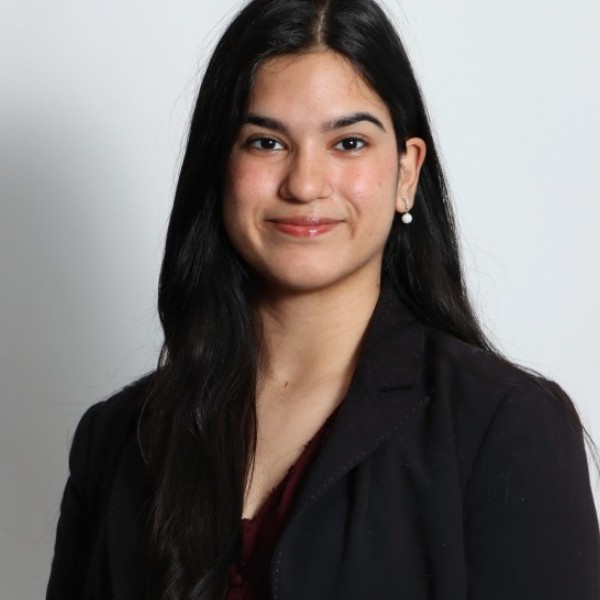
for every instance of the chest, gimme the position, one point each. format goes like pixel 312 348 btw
pixel 389 527
pixel 281 442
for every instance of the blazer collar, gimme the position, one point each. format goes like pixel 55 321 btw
pixel 383 395
pixel 392 348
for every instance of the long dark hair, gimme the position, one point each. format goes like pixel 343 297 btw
pixel 199 426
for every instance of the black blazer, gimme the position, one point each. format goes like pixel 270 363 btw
pixel 447 475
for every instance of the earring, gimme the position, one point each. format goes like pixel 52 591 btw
pixel 406 217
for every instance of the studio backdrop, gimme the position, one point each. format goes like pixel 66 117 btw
pixel 94 103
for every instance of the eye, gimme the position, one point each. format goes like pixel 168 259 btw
pixel 265 143
pixel 351 143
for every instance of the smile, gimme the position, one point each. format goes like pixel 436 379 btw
pixel 304 226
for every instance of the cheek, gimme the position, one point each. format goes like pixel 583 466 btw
pixel 372 187
pixel 238 193
pixel 246 194
pixel 248 180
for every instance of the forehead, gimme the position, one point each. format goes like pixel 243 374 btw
pixel 322 83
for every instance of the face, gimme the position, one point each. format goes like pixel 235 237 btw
pixel 314 177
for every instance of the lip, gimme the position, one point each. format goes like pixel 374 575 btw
pixel 304 226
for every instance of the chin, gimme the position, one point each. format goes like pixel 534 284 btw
pixel 299 286
pixel 298 282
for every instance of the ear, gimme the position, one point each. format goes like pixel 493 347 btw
pixel 411 162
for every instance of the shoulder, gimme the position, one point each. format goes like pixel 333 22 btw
pixel 498 411
pixel 101 435
pixel 113 417
pixel 465 385
pixel 97 448
pixel 447 354
pixel 118 410
pixel 469 378
pixel 520 450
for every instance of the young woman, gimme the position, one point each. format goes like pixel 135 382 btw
pixel 327 419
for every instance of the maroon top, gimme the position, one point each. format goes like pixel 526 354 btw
pixel 249 577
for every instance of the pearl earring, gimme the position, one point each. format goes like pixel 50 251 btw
pixel 406 217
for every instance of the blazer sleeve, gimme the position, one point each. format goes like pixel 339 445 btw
pixel 531 526
pixel 73 534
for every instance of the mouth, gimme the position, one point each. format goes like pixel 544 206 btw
pixel 304 226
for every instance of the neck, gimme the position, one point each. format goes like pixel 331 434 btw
pixel 309 339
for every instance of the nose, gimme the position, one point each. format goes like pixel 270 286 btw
pixel 307 177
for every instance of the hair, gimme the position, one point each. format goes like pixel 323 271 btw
pixel 199 424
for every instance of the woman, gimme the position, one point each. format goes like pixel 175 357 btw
pixel 327 419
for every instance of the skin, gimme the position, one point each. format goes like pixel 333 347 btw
pixel 295 159
pixel 314 181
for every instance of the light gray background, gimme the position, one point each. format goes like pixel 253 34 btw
pixel 94 99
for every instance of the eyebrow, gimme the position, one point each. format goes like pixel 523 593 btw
pixel 354 118
pixel 339 123
pixel 266 122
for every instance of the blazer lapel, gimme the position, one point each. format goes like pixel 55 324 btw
pixel 382 397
